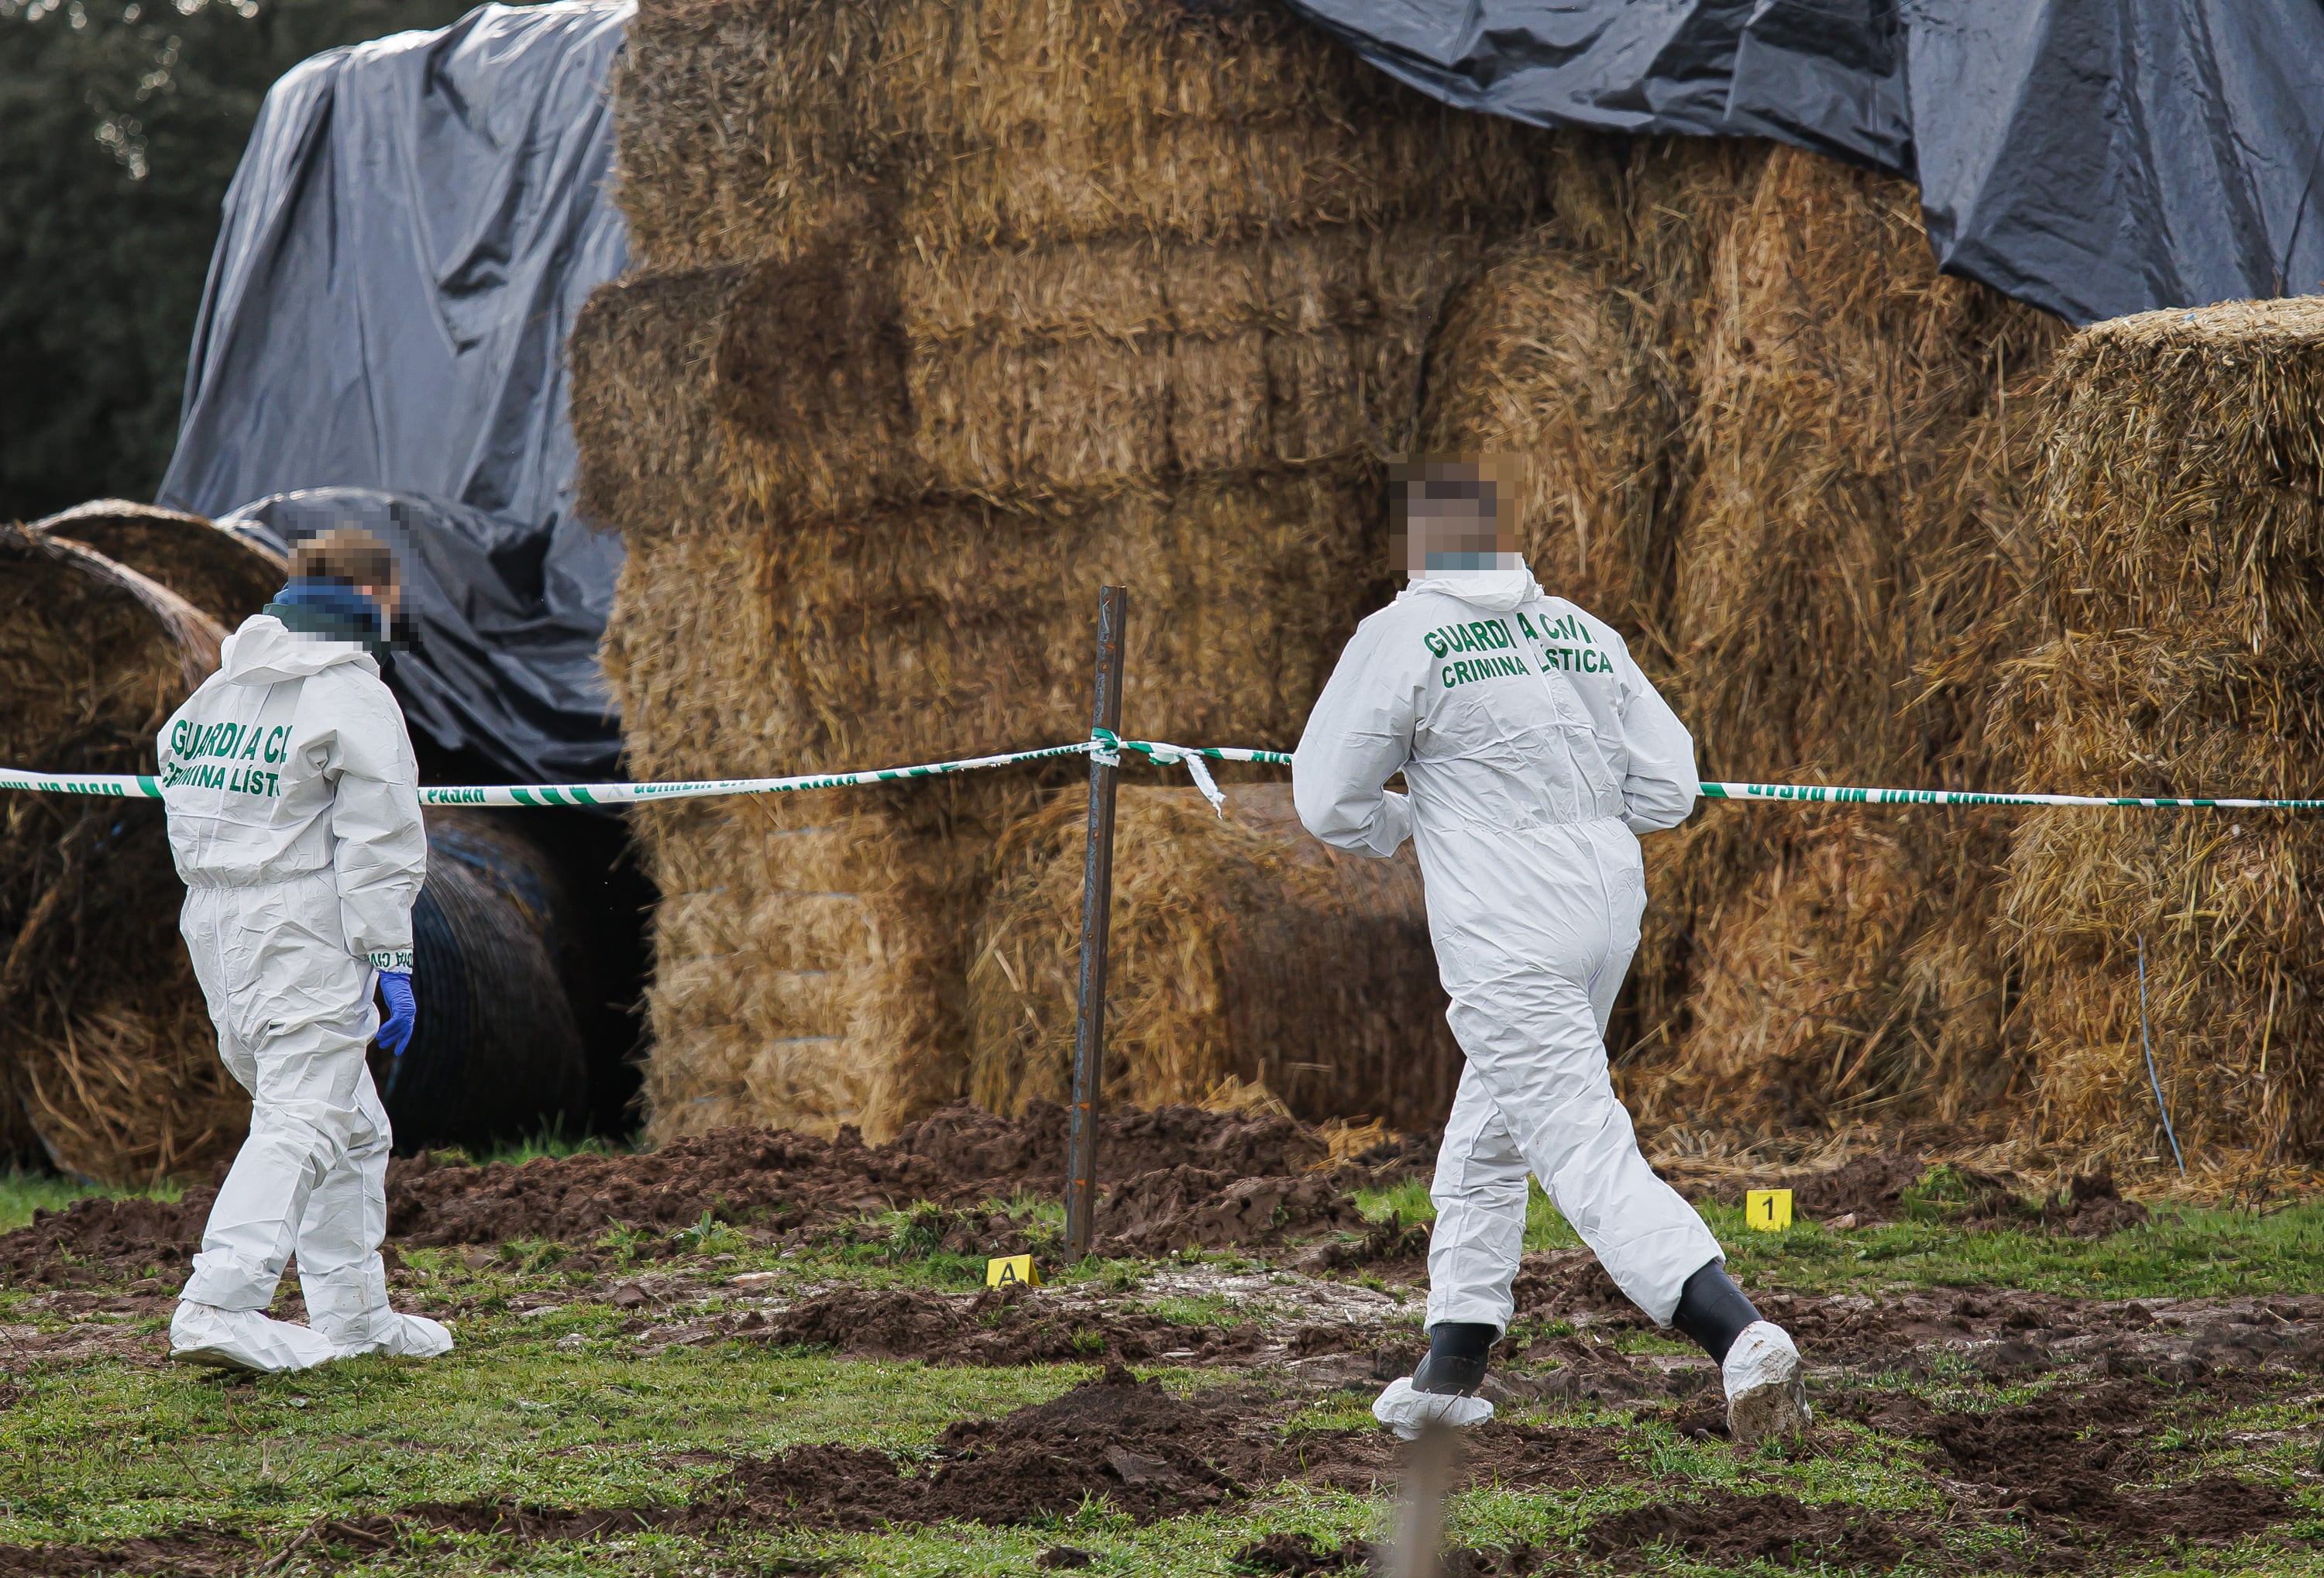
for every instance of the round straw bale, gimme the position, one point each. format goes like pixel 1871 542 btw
pixel 104 1046
pixel 1570 356
pixel 1841 377
pixel 2182 490
pixel 1241 949
pixel 226 576
pixel 1536 368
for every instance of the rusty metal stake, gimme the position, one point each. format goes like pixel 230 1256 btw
pixel 1097 914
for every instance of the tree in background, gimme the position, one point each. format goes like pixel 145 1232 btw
pixel 121 121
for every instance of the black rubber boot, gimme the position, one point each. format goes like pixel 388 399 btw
pixel 1455 1365
pixel 1711 1310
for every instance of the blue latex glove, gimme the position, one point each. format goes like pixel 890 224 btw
pixel 403 1013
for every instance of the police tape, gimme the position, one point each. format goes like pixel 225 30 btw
pixel 1103 743
pixel 1832 795
pixel 1105 746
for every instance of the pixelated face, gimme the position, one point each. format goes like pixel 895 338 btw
pixel 1449 516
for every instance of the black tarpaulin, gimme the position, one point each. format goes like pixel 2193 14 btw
pixel 503 637
pixel 2091 157
pixel 413 229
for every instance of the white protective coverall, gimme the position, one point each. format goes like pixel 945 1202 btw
pixel 1535 752
pixel 294 820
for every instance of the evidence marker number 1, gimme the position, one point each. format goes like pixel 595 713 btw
pixel 1011 1271
pixel 1768 1210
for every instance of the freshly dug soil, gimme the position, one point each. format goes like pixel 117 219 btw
pixel 1729 1529
pixel 1153 1454
pixel 112 1239
pixel 780 1182
pixel 1871 1189
pixel 196 1553
pixel 2060 1458
pixel 998 1327
pixel 1187 1207
pixel 2090 1207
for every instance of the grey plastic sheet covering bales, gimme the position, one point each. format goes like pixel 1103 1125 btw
pixel 2091 157
pixel 413 227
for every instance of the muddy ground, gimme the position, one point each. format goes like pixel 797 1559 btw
pixel 2082 1475
pixel 1173 1178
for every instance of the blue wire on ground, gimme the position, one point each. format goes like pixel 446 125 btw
pixel 2151 1078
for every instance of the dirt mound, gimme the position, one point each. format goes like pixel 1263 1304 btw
pixel 1188 1207
pixel 779 1181
pixel 2091 1207
pixel 1870 1189
pixel 1729 1529
pixel 197 1553
pixel 1152 1455
pixel 997 1327
pixel 2060 1459
pixel 969 1142
pixel 122 1236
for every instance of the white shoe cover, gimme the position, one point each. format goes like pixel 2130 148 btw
pixel 1405 1410
pixel 1766 1387
pixel 408 1336
pixel 244 1339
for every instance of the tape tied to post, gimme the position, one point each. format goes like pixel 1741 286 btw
pixel 1108 748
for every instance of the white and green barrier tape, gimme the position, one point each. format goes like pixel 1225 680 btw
pixel 1108 748
pixel 1835 795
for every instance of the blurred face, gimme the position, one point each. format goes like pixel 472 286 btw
pixel 1452 523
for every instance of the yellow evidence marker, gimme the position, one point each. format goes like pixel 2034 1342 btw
pixel 1768 1210
pixel 1017 1270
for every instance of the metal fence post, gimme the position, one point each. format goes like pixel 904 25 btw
pixel 1097 913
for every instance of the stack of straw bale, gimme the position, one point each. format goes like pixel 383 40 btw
pixel 1848 546
pixel 952 313
pixel 1244 956
pixel 1568 356
pixel 1758 432
pixel 106 1055
pixel 2180 493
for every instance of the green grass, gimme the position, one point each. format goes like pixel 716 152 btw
pixel 2183 1252
pixel 561 1411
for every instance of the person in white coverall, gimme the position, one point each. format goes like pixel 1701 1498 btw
pixel 293 804
pixel 1533 752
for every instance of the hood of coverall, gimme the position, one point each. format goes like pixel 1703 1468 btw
pixel 1496 591
pixel 264 651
